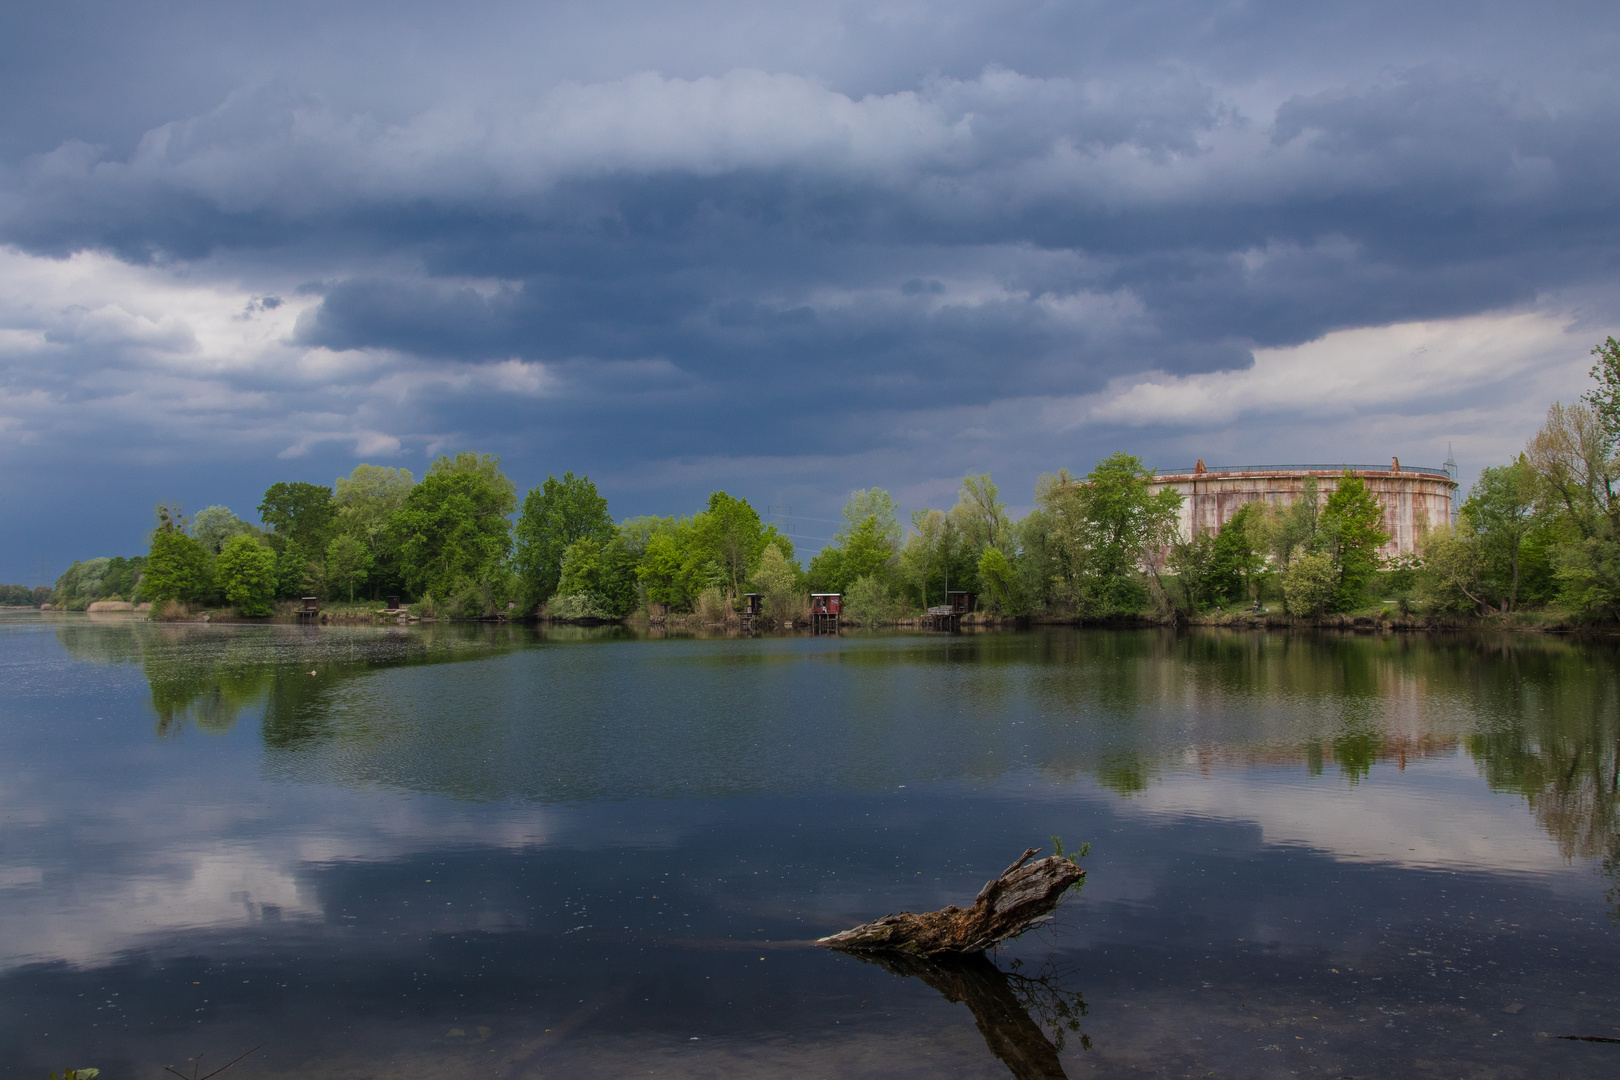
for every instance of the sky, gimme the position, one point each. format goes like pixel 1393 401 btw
pixel 782 249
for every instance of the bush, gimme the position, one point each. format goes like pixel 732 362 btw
pixel 868 601
pixel 471 600
pixel 1310 584
pixel 778 583
pixel 577 606
pixel 712 606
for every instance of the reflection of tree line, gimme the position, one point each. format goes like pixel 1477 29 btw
pixel 1541 715
pixel 206 677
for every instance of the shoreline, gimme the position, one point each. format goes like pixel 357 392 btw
pixel 974 622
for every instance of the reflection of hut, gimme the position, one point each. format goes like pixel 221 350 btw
pixel 959 602
pixel 824 608
pixel 753 607
pixel 310 609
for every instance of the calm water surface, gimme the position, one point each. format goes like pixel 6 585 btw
pixel 464 852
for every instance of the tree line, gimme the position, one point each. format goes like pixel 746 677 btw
pixel 1541 530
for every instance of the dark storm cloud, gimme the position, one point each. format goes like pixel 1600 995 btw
pixel 616 229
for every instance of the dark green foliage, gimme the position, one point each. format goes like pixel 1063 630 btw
pixel 862 551
pixel 731 530
pixel 1193 562
pixel 1350 533
pixel 1499 515
pixel 177 568
pixel 554 516
pixel 1235 563
pixel 603 573
pixel 453 529
pixel 298 513
pixel 23 596
pixel 292 571
pixel 247 573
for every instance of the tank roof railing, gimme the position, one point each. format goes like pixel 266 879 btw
pixel 1211 470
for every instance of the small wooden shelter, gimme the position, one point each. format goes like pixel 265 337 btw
pixel 310 609
pixel 753 607
pixel 824 609
pixel 960 602
pixel 393 603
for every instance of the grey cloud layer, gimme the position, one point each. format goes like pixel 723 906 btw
pixel 615 231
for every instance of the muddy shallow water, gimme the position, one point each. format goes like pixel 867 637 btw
pixel 488 852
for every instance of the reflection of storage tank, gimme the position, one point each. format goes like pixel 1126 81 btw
pixel 1414 498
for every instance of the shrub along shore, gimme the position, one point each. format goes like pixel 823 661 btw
pixel 1536 546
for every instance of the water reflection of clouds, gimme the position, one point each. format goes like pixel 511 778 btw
pixel 1434 813
pixel 216 860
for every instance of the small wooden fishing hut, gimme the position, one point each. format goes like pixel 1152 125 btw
pixel 753 607
pixel 959 602
pixel 310 609
pixel 393 603
pixel 824 608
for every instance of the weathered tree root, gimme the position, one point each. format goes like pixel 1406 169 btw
pixel 1020 898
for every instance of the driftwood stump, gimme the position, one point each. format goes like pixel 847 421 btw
pixel 1023 896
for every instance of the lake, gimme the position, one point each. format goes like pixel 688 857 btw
pixel 464 851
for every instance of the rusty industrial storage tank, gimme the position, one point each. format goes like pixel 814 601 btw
pixel 1414 498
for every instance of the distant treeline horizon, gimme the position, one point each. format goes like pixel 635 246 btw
pixel 1542 530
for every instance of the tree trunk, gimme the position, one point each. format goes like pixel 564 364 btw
pixel 1007 906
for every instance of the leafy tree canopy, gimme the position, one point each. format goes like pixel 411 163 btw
pixel 247 572
pixel 555 515
pixel 453 526
pixel 298 513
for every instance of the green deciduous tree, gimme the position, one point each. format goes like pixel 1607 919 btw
pixel 999 581
pixel 554 516
pixel 1193 562
pixel 1448 579
pixel 862 550
pixel 873 502
pixel 1105 530
pixel 215 525
pixel 732 532
pixel 365 501
pixel 920 553
pixel 1500 513
pixel 604 574
pixel 176 569
pixel 348 561
pixel 453 529
pixel 298 513
pixel 1236 563
pixel 777 581
pixel 1350 533
pixel 247 572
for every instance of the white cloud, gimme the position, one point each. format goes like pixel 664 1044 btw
pixel 1350 371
